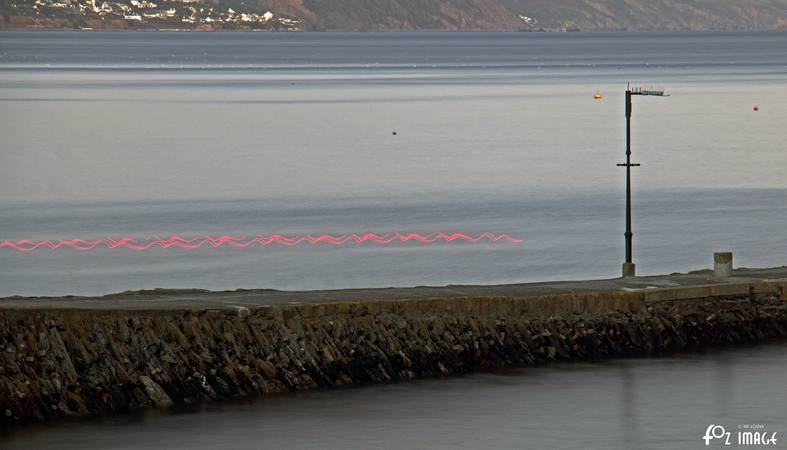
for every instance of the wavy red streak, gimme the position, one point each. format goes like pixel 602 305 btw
pixel 25 245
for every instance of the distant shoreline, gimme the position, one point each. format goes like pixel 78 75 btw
pixel 363 16
pixel 197 30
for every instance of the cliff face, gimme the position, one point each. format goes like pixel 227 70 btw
pixel 654 14
pixel 411 15
pixel 457 15
pixel 71 362
pixel 547 14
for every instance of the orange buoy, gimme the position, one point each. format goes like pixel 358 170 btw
pixel 598 95
pixel 756 108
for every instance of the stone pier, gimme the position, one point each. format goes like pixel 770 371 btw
pixel 62 357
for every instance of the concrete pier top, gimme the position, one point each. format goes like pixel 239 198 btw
pixel 195 299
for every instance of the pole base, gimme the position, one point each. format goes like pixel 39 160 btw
pixel 628 269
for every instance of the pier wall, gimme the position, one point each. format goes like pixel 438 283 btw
pixel 75 362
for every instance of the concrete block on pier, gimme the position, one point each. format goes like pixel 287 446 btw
pixel 729 290
pixel 722 264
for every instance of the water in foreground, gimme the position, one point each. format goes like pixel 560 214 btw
pixel 662 403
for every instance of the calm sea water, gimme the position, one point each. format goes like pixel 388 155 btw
pixel 144 134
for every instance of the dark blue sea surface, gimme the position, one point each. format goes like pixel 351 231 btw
pixel 145 134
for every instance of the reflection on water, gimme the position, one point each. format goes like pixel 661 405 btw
pixel 573 237
pixel 638 403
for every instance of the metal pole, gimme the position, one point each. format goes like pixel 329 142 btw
pixel 629 234
pixel 628 265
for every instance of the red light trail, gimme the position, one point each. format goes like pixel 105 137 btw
pixel 25 245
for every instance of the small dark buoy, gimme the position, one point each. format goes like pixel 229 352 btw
pixel 394 133
pixel 756 108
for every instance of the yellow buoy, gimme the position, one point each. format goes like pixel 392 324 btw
pixel 598 95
